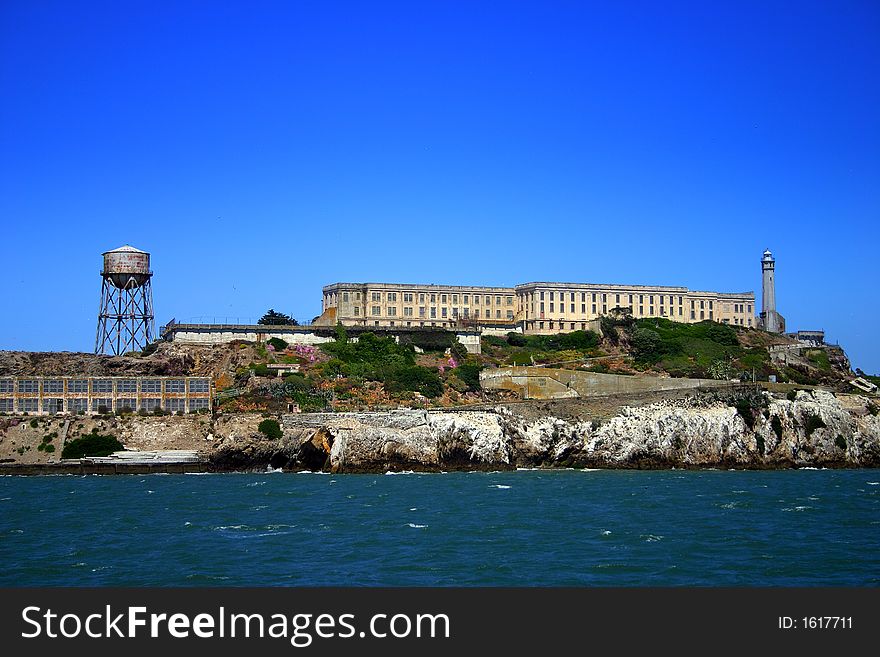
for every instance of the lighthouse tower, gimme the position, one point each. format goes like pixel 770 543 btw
pixel 770 320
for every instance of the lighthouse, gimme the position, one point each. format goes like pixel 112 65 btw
pixel 770 320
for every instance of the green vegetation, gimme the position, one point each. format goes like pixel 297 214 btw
pixel 437 340
pixel 375 358
pixel 819 357
pixel 93 444
pixel 33 423
pixel 873 409
pixel 261 369
pixel 791 395
pixel 277 344
pixel 469 373
pixel 271 429
pixel 812 423
pixel 519 349
pixel 273 318
pixel 776 424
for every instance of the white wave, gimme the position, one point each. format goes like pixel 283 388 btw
pixel 402 472
pixel 415 526
pixel 870 483
pixel 499 486
pixel 651 538
pixel 256 483
pixel 187 523
pixel 150 492
pixel 606 532
pixel 415 508
pixel 271 470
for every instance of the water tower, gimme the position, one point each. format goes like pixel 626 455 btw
pixel 125 318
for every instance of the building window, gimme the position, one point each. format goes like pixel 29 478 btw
pixel 5 385
pixel 377 310
pixel 357 296
pixel 392 296
pixel 197 404
pixel 594 307
pixel 433 313
pixel 421 298
pixel 175 405
pixel 604 308
pixel 594 297
pixel 542 307
pixel 126 385
pixel 604 297
pixel 488 313
pixel 476 299
pixel 345 297
pixel 551 295
pixel 679 311
pixel 421 311
pixel 641 298
pixel 78 385
pixel 572 307
pixel 28 405
pixel 126 404
pixel 433 298
pixel 692 315
pixel 357 310
pixel 53 385
pixel 750 312
pixel 407 297
pixel 28 385
pixel 710 304
pixel 679 301
pixel 702 304
pixel 442 298
pixel 583 296
pixel 650 310
pixel 509 314
pixel 175 385
pixel 584 308
pixel 77 404
pixel 497 301
pixel 392 311
pixel 465 298
pixel 407 312
pixel 199 385
pixel 552 304
pixel 497 314
pixel 455 313
pixel 102 385
pixel 702 315
pixel 488 300
pixel 467 312
pixel 617 299
pixel 151 385
pixel 376 296
pixel 455 298
pixel 443 312
pixel 641 310
pixel 150 404
pixel 53 405
pixel 630 300
pixel 509 301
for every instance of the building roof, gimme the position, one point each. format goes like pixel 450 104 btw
pixel 125 248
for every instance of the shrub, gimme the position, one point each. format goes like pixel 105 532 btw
pixel 493 341
pixel 470 376
pixel 33 423
pixel 873 409
pixel 261 369
pixel 93 444
pixel 791 395
pixel 277 344
pixel 439 340
pixel 416 379
pixel 515 339
pixel 840 441
pixel 271 429
pixel 458 351
pixel 812 423
pixel 646 344
pixel 298 382
pixel 50 448
pixel 776 424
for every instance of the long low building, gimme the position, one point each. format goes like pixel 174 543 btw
pixel 531 307
pixel 37 395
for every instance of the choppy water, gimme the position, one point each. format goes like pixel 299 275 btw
pixel 608 528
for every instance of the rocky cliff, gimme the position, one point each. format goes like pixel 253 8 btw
pixel 814 429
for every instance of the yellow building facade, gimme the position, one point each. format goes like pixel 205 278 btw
pixel 535 308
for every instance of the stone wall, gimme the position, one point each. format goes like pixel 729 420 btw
pixel 547 383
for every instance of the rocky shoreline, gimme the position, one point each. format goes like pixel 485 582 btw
pixel 812 429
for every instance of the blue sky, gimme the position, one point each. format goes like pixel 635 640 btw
pixel 261 150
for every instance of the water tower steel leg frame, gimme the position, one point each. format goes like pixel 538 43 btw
pixel 125 318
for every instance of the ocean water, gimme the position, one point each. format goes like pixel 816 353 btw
pixel 525 528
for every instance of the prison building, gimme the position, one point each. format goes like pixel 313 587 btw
pixel 38 395
pixel 533 308
pixel 407 305
pixel 558 307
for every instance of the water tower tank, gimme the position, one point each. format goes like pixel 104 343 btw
pixel 127 267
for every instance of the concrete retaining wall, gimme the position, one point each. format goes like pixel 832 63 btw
pixel 546 383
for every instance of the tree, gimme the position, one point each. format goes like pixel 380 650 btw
pixel 273 318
